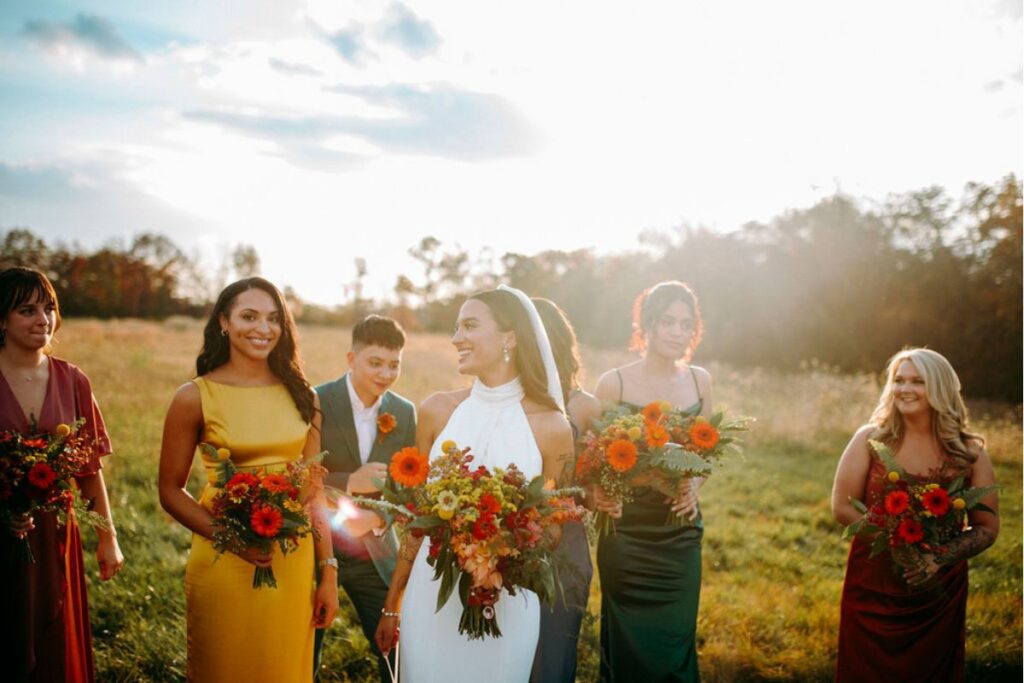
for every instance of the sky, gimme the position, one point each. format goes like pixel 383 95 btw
pixel 320 131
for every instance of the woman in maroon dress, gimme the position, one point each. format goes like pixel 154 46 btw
pixel 44 607
pixel 910 627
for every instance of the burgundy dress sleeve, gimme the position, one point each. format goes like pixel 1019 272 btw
pixel 94 429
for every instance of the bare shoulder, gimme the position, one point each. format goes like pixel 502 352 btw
pixel 610 383
pixel 187 397
pixel 440 405
pixel 583 407
pixel 702 375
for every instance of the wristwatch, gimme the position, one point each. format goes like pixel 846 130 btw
pixel 328 562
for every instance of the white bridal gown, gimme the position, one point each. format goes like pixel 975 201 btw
pixel 491 421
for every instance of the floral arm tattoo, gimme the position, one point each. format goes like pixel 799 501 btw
pixel 966 545
pixel 566 465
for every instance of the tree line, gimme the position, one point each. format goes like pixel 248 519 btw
pixel 840 283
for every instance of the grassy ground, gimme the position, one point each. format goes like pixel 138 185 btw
pixel 773 558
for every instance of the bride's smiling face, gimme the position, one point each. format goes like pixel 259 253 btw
pixel 477 339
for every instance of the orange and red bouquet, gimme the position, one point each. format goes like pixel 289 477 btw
pixel 912 516
pixel 658 447
pixel 36 475
pixel 487 529
pixel 259 509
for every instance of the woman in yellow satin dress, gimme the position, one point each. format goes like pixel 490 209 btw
pixel 250 397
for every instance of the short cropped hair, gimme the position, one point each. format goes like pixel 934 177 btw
pixel 378 330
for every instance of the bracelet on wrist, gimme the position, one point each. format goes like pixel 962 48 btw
pixel 384 612
pixel 328 562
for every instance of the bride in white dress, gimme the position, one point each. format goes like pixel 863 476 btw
pixel 512 414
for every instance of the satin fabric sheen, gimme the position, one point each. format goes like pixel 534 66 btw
pixel 46 635
pixel 491 421
pixel 887 632
pixel 237 632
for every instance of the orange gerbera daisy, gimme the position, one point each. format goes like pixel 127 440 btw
pixel 276 483
pixel 266 520
pixel 703 435
pixel 34 443
pixel 652 411
pixel 385 423
pixel 409 467
pixel 657 436
pixel 621 455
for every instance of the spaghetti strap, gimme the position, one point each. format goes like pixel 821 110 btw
pixel 696 384
pixel 617 372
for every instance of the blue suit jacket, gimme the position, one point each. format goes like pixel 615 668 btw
pixel 338 437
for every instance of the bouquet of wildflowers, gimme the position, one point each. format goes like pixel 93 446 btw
pixel 259 509
pixel 912 518
pixel 659 446
pixel 36 474
pixel 486 529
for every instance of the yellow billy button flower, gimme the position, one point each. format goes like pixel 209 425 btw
pixel 223 453
pixel 635 433
pixel 448 446
pixel 894 476
pixel 666 407
pixel 959 503
pixel 62 430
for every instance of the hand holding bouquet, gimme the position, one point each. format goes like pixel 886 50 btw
pixel 912 519
pixel 36 474
pixel 259 509
pixel 486 529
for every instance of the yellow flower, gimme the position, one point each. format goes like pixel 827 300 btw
pixel 635 433
pixel 62 430
pixel 959 503
pixel 448 446
pixel 894 476
pixel 445 513
pixel 292 505
pixel 223 453
pixel 666 407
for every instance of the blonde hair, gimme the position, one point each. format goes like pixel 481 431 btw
pixel 949 413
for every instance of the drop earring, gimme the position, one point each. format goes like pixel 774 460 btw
pixel 506 355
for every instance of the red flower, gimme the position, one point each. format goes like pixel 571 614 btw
pixel 489 504
pixel 34 443
pixel 276 483
pixel 910 531
pixel 6 437
pixel 266 520
pixel 936 501
pixel 385 423
pixel 897 502
pixel 484 528
pixel 41 475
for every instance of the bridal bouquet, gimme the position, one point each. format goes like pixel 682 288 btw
pixel 912 518
pixel 486 528
pixel 258 509
pixel 36 474
pixel 657 447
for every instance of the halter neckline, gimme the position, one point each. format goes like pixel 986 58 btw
pixel 506 394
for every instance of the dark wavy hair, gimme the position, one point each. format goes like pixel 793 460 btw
pixel 563 344
pixel 17 285
pixel 284 359
pixel 653 302
pixel 510 315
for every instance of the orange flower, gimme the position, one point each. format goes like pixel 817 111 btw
pixel 652 411
pixel 657 436
pixel 266 521
pixel 621 455
pixel 409 467
pixel 385 423
pixel 34 443
pixel 703 435
pixel 276 483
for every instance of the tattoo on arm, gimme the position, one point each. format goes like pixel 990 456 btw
pixel 966 545
pixel 566 464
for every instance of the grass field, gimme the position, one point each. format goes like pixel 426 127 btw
pixel 773 557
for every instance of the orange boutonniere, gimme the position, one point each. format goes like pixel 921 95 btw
pixel 385 423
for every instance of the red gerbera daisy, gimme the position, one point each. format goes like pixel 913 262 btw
pixel 897 502
pixel 276 483
pixel 489 504
pixel 41 475
pixel 936 501
pixel 910 531
pixel 266 520
pixel 484 528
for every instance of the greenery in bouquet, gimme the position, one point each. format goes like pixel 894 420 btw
pixel 259 509
pixel 912 517
pixel 488 531
pixel 37 473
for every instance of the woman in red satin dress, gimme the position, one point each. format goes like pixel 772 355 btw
pixel 43 604
pixel 910 627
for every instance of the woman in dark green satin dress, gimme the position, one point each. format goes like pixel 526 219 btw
pixel 650 571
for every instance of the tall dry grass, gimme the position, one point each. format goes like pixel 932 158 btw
pixel 773 557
